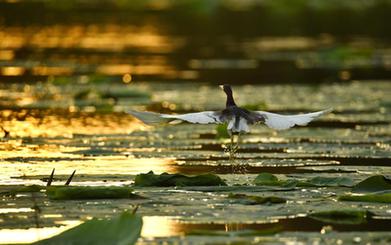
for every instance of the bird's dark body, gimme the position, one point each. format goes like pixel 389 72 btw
pixel 235 112
pixel 238 118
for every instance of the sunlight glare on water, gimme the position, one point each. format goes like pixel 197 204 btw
pixel 160 226
pixel 22 236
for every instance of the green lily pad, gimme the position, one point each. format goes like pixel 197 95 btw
pixel 89 192
pixel 23 189
pixel 123 229
pixel 347 216
pixel 382 198
pixel 165 179
pixel 96 152
pixel 373 184
pixel 272 180
pixel 251 200
pixel 267 179
pixel 331 181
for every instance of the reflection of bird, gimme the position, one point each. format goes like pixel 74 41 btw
pixel 237 119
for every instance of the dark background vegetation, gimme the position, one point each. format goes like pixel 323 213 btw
pixel 346 40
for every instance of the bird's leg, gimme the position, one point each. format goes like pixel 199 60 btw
pixel 232 148
pixel 238 141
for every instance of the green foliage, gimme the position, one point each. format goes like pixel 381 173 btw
pixel 89 192
pixel 87 94
pixel 96 152
pixel 125 93
pixel 221 131
pixel 165 179
pixel 382 198
pixel 251 200
pixel 266 179
pixel 344 216
pixel 255 107
pixel 272 180
pixel 373 184
pixel 29 188
pixel 331 181
pixel 23 189
pixel 120 230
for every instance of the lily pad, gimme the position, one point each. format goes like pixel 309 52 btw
pixel 96 152
pixel 123 229
pixel 382 198
pixel 347 216
pixel 251 200
pixel 165 179
pixel 89 192
pixel 23 189
pixel 331 181
pixel 272 180
pixel 267 179
pixel 373 184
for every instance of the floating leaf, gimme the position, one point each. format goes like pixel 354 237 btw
pixel 373 184
pixel 383 198
pixel 123 229
pixel 249 199
pixel 266 179
pixel 95 152
pixel 270 179
pixel 89 192
pixel 347 216
pixel 331 181
pixel 165 179
pixel 27 188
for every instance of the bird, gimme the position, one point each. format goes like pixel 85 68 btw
pixel 238 119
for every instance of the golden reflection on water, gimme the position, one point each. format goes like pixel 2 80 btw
pixel 53 70
pixel 86 44
pixel 6 54
pixel 42 124
pixel 153 226
pixel 21 236
pixel 12 71
pixel 102 165
pixel 13 210
pixel 160 226
pixel 107 37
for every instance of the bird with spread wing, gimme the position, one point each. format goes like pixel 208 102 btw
pixel 237 119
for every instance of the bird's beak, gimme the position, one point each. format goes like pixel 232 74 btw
pixel 221 86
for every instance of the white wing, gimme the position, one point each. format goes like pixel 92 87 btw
pixel 280 122
pixel 203 117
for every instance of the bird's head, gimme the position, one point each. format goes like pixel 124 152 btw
pixel 227 89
